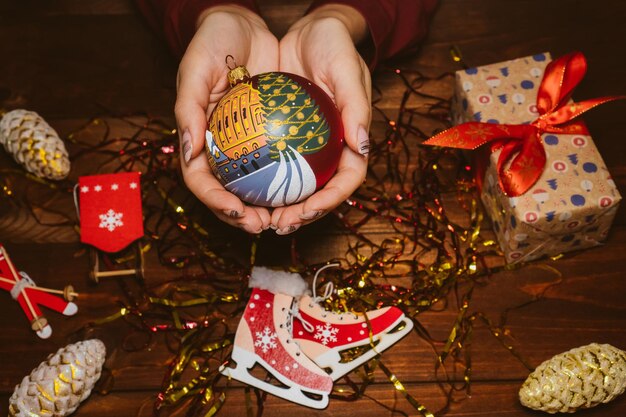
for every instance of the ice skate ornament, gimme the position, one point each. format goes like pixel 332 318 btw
pixel 23 289
pixel 111 218
pixel 323 335
pixel 264 337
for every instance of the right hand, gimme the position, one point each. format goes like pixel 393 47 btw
pixel 321 47
pixel 201 83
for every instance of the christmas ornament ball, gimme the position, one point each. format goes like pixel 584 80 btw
pixel 274 138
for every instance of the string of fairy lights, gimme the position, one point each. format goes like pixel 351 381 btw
pixel 416 241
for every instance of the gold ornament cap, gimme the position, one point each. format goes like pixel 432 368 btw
pixel 236 73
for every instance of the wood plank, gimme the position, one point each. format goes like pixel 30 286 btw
pixel 487 400
pixel 56 207
pixel 144 78
pixel 61 72
pixel 575 312
pixel 70 58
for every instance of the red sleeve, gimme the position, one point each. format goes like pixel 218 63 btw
pixel 395 25
pixel 176 19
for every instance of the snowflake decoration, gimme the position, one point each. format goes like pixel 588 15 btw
pixel 111 220
pixel 265 340
pixel 326 333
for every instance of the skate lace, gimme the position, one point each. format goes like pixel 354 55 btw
pixel 329 288
pixel 294 311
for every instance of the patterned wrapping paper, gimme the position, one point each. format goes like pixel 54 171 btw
pixel 573 203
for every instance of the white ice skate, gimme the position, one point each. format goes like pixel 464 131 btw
pixel 323 335
pixel 264 337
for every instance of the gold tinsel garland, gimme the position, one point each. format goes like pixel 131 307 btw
pixel 427 258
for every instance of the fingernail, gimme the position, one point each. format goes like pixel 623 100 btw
pixel 363 141
pixel 187 146
pixel 289 229
pixel 273 227
pixel 233 214
pixel 311 215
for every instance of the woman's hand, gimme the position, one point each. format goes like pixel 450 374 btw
pixel 222 30
pixel 321 47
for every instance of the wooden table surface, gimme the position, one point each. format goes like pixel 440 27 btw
pixel 70 59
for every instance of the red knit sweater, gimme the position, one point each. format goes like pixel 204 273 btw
pixel 394 25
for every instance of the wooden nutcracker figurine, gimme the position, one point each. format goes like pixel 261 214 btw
pixel 23 289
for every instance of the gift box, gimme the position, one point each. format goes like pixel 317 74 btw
pixel 548 204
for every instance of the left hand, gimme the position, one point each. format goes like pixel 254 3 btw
pixel 321 47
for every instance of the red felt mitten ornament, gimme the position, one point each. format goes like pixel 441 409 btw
pixel 274 138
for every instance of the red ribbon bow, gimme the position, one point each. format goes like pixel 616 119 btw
pixel 521 144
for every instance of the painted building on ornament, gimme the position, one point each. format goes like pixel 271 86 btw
pixel 236 138
pixel 238 122
pixel 231 169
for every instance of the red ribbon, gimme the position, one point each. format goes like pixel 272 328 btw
pixel 523 157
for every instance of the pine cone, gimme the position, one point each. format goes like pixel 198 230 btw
pixel 34 144
pixel 57 386
pixel 580 378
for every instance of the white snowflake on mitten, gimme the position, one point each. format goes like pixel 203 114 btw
pixel 111 220
pixel 326 333
pixel 265 340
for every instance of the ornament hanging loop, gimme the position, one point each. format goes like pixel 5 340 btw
pixel 236 73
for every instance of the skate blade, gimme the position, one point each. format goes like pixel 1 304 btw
pixel 293 392
pixel 338 369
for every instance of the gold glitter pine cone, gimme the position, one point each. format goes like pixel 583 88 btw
pixel 579 378
pixel 34 144
pixel 59 384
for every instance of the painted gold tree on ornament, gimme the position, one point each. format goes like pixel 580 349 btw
pixel 293 117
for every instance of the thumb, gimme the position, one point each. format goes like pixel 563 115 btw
pixel 190 110
pixel 352 91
